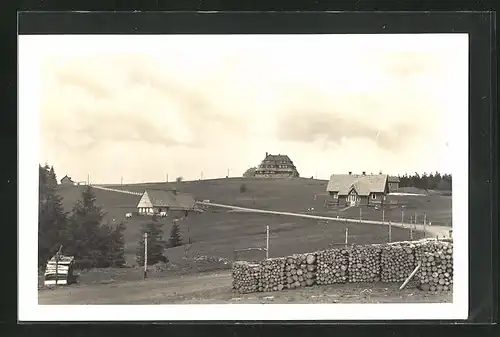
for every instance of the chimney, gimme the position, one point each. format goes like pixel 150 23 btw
pixel 364 173
pixel 267 154
pixel 350 172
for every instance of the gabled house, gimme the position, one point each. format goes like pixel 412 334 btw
pixel 352 189
pixel 156 201
pixel 67 181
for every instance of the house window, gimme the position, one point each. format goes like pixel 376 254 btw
pixel 374 196
pixel 335 195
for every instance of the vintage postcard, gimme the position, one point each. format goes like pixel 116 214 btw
pixel 222 177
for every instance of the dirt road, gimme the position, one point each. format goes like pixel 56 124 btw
pixel 433 231
pixel 215 288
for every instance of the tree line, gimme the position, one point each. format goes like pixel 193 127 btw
pixel 433 181
pixel 81 232
pixel 84 234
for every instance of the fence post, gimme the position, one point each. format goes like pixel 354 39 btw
pixel 402 217
pixel 411 232
pixel 267 242
pixel 415 219
pixel 383 215
pixel 425 225
pixel 360 214
pixel 390 231
pixel 145 255
pixel 346 235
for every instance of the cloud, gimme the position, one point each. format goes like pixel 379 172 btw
pixel 336 128
pixel 406 65
pixel 129 98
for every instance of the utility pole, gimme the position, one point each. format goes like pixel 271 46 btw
pixel 121 181
pixel 228 173
pixel 267 242
pixel 88 179
pixel 201 175
pixel 145 255
pixel 390 231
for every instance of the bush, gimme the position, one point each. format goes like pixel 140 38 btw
pixel 179 179
pixel 243 188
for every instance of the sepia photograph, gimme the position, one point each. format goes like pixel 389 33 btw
pixel 214 176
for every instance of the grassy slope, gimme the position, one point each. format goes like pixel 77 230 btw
pixel 219 233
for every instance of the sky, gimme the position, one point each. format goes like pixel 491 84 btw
pixel 139 108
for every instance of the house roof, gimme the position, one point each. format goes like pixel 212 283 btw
pixel 277 157
pixel 393 179
pixel 171 199
pixel 66 177
pixel 363 184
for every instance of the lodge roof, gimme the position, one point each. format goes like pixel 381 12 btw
pixel 363 184
pixel 171 199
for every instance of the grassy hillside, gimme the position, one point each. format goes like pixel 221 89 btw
pixel 297 195
pixel 219 232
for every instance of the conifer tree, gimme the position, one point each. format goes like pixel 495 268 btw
pixel 52 219
pixel 175 236
pixel 85 233
pixel 156 244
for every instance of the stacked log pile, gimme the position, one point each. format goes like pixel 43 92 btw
pixel 368 263
pixel 398 262
pixel 364 263
pixel 272 274
pixel 332 266
pixel 246 277
pixel 436 271
pixel 300 270
pixel 59 270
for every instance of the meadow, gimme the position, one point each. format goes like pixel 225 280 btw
pixel 219 232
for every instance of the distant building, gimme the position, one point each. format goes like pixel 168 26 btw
pixel 276 166
pixel 67 181
pixel 156 201
pixel 353 189
pixel 393 183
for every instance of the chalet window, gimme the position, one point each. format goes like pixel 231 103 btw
pixel 374 196
pixel 335 195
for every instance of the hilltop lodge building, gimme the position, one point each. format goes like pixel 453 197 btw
pixel 156 201
pixel 276 166
pixel 353 189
